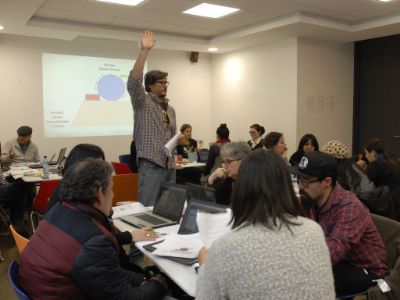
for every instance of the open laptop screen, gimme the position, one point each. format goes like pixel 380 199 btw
pixel 201 192
pixel 189 221
pixel 170 201
pixel 61 155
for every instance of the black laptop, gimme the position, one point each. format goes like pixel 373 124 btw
pixel 167 209
pixel 203 156
pixel 201 192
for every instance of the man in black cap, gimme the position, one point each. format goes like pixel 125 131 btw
pixel 357 252
pixel 20 149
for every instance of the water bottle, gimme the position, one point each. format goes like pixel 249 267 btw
pixel 45 167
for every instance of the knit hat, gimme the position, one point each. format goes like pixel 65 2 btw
pixel 337 149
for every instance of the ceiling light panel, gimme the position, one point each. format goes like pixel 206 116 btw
pixel 210 10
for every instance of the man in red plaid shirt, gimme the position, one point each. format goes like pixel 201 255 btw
pixel 357 252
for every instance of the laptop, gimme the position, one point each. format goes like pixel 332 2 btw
pixel 167 209
pixel 189 226
pixel 61 156
pixel 201 192
pixel 189 221
pixel 203 156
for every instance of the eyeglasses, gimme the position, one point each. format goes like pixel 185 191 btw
pixel 252 131
pixel 229 161
pixel 163 82
pixel 305 183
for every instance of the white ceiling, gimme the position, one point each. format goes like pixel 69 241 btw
pixel 258 21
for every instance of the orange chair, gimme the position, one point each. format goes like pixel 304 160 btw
pixel 40 203
pixel 20 241
pixel 125 187
pixel 121 168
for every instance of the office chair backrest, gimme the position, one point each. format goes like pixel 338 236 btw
pixel 20 241
pixel 45 190
pixel 125 187
pixel 13 271
pixel 121 168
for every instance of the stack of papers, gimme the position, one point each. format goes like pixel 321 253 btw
pixel 178 245
pixel 213 226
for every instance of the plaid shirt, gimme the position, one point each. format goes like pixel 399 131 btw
pixel 150 132
pixel 350 232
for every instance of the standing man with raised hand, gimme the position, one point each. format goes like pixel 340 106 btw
pixel 154 124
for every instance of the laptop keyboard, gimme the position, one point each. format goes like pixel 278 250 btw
pixel 151 219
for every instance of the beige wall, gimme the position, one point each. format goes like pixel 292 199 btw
pixel 325 91
pixel 256 85
pixel 292 86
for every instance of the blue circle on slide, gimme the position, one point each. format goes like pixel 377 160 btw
pixel 111 87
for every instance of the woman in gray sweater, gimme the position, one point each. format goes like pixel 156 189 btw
pixel 272 253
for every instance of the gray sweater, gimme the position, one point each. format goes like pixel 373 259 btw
pixel 253 262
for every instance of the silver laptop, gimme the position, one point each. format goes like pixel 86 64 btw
pixel 59 160
pixel 167 209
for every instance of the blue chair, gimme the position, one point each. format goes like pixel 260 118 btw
pixel 130 161
pixel 13 271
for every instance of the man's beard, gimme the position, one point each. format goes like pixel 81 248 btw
pixel 306 201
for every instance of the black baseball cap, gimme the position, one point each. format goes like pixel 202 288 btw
pixel 24 130
pixel 316 164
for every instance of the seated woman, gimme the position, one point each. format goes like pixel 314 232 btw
pixel 213 161
pixel 256 132
pixel 383 169
pixel 222 178
pixel 272 253
pixel 187 145
pixel 308 143
pixel 350 176
pixel 276 141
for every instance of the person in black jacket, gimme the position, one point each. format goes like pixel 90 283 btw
pixel 74 254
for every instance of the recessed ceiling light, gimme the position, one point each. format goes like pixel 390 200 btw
pixel 212 49
pixel 122 2
pixel 1 27
pixel 384 0
pixel 210 10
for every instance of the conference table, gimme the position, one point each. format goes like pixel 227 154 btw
pixel 184 276
pixel 22 171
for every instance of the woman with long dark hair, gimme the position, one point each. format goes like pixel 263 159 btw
pixel 272 252
pixel 308 143
pixel 383 169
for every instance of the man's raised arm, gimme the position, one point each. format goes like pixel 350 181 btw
pixel 147 42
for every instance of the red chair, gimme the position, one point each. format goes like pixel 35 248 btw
pixel 40 203
pixel 121 168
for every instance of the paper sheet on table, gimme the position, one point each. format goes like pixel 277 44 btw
pixel 128 209
pixel 180 245
pixel 172 143
pixel 213 226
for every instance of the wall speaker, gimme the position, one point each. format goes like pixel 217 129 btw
pixel 194 57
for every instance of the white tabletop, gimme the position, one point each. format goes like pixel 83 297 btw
pixel 190 165
pixel 30 175
pixel 184 276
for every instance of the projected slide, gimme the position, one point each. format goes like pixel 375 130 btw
pixel 86 96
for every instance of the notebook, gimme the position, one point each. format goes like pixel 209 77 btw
pixel 167 209
pixel 61 156
pixel 201 192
